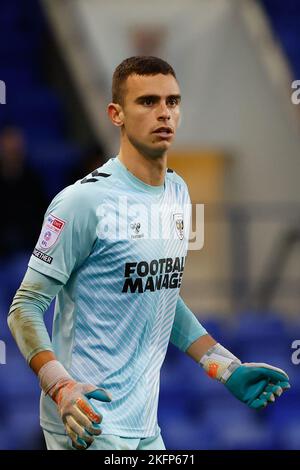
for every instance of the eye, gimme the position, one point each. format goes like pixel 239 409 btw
pixel 148 101
pixel 173 101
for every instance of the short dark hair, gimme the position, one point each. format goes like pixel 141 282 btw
pixel 139 65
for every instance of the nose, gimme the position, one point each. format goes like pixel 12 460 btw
pixel 164 112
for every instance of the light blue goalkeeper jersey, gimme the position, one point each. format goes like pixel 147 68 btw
pixel 118 245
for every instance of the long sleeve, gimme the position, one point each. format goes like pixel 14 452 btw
pixel 186 327
pixel 25 318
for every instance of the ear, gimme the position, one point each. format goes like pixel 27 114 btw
pixel 115 113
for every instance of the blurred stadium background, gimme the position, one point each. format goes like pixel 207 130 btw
pixel 238 148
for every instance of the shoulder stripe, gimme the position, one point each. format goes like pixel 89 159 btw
pixel 88 180
pixel 97 173
pixel 93 180
pixel 169 170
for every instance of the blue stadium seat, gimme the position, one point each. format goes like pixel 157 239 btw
pixel 43 131
pixel 35 107
pixel 188 434
pixel 259 324
pixel 226 408
pixel 237 426
pixel 21 50
pixel 23 426
pixel 10 18
pixel 262 329
pixel 247 436
pixel 289 437
pixel 285 412
pixel 218 327
pixel 53 159
pixel 18 78
pixel 286 24
pixel 14 270
pixel 5 334
pixel 18 377
pixel 277 355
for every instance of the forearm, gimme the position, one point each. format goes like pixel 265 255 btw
pixel 187 330
pixel 26 321
pixel 199 347
pixel 40 359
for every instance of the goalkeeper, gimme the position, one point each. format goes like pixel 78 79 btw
pixel 117 288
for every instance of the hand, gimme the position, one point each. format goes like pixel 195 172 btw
pixel 81 420
pixel 257 384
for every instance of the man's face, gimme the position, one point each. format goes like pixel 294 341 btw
pixel 151 112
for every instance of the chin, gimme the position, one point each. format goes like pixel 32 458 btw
pixel 151 149
pixel 158 152
pixel 164 146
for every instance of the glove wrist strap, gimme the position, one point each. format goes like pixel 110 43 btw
pixel 219 363
pixel 50 374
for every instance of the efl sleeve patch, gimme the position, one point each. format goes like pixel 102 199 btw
pixel 51 230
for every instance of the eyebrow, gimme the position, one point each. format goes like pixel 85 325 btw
pixel 156 98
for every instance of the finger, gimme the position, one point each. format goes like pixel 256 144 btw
pixel 85 422
pixel 80 417
pixel 86 408
pixel 285 385
pixel 76 442
pixel 97 412
pixel 258 403
pixel 275 389
pixel 79 444
pixel 278 391
pixel 99 394
pixel 79 430
pixel 268 396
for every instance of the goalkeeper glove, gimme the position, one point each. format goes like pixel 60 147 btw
pixel 80 419
pixel 255 384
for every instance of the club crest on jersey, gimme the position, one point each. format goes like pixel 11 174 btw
pixel 136 227
pixel 52 228
pixel 178 219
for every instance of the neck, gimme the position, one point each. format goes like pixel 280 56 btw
pixel 150 170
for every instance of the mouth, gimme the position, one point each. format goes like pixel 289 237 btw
pixel 164 132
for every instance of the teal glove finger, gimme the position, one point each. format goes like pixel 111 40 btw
pixel 81 442
pixel 268 396
pixel 101 395
pixel 264 399
pixel 284 385
pixel 275 389
pixel 258 403
pixel 279 388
